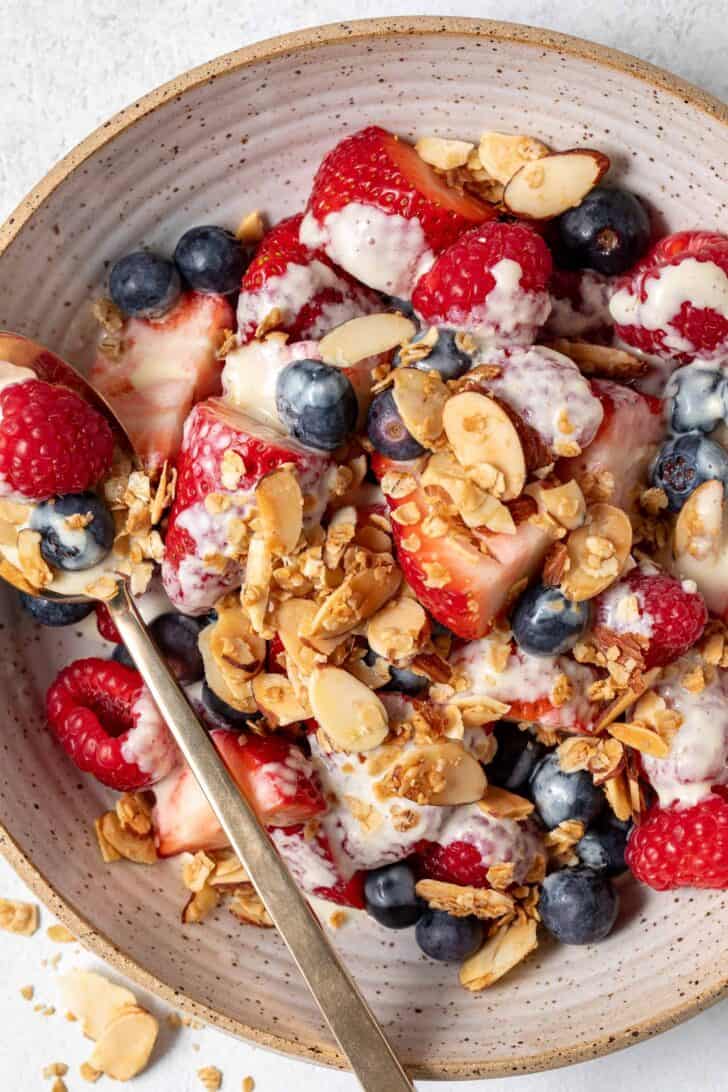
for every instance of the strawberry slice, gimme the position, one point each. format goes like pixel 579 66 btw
pixel 309 855
pixel 311 293
pixel 381 213
pixel 613 468
pixel 272 772
pixel 164 366
pixel 462 587
pixel 199 565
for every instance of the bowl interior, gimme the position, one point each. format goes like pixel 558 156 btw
pixel 250 136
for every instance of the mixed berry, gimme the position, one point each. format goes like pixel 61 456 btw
pixel 430 507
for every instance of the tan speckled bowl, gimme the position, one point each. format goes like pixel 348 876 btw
pixel 245 131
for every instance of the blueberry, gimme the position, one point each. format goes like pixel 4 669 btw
pixel 316 403
pixel 448 939
pixel 559 796
pixel 211 259
pixel 176 635
pixel 698 398
pixel 396 303
pixel 447 355
pixel 602 848
pixel 578 905
pixel 385 429
pixel 546 623
pixel 144 285
pixel 223 714
pixel 608 231
pixel 54 612
pixel 73 548
pixel 515 760
pixel 685 462
pixel 406 681
pixel 120 655
pixel 390 896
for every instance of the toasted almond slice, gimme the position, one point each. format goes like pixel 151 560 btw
pixel 397 631
pixel 228 869
pixel 476 507
pixel 508 946
pixel 549 186
pixel 420 398
pixel 566 503
pixel 640 737
pixel 462 901
pixel 368 335
pixel 699 526
pixel 602 361
pixel 242 699
pixel 258 575
pixel 140 849
pixel 351 715
pixel 441 774
pixel 18 917
pixel 11 512
pixel 14 576
pixel 339 533
pixel 616 790
pixel 446 155
pixel 247 906
pixel 93 1000
pixel 125 1046
pixel 502 154
pixel 277 700
pixel 200 905
pixel 280 508
pixel 36 571
pixel 357 598
pixel 294 618
pixel 597 552
pixel 480 432
pixel 238 652
pixel 502 804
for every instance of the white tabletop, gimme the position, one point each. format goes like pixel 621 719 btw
pixel 66 66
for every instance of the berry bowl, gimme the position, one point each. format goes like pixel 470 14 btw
pixel 247 131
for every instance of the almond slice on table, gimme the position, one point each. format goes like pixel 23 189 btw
pixel 93 1000
pixel 18 917
pixel 280 510
pixel 502 154
pixel 549 186
pixel 351 715
pixel 597 552
pixel 480 432
pixel 445 155
pixel 277 700
pixel 365 336
pixel 420 398
pixel 508 946
pixel 126 1044
pixel 440 774
pixel 398 630
pixel 124 843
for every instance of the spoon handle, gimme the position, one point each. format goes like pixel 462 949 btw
pixel 351 1020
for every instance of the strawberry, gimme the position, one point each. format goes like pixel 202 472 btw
pixel 580 305
pixel 106 721
pixel 610 469
pixel 271 771
pixel 163 367
pixel 381 213
pixel 106 625
pixel 308 853
pixel 492 281
pixel 657 608
pixel 682 847
pixel 462 587
pixel 674 303
pixel 197 538
pixel 304 284
pixel 471 842
pixel 51 441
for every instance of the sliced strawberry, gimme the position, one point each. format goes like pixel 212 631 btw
pixel 380 212
pixel 106 625
pixel 308 854
pixel 164 366
pixel 462 587
pixel 613 468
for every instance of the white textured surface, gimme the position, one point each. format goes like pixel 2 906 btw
pixel 66 67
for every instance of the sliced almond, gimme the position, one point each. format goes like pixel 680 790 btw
pixel 640 737
pixel 618 796
pixel 602 361
pixel 200 905
pixel 277 700
pixel 228 869
pixel 295 617
pixel 502 154
pixel 502 804
pixel 18 917
pixel 462 901
pixel 359 597
pixel 247 906
pixel 93 1000
pixel 480 432
pixel 508 946
pixel 339 533
pixel 242 699
pixel 368 335
pixel 565 503
pixel 258 575
pixel 476 507
pixel 446 155
pixel 440 774
pixel 31 560
pixel 14 513
pixel 699 526
pixel 280 509
pixel 138 848
pixel 549 186
pixel 597 552
pixel 398 630
pixel 125 1046
pixel 351 715
pixel 420 398
pixel 237 650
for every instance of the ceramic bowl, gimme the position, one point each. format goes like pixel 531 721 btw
pixel 247 131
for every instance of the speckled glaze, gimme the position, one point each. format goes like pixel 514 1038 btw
pixel 245 131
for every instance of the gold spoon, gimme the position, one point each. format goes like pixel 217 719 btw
pixel 351 1020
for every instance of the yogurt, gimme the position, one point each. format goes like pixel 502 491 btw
pixel 251 373
pixel 509 314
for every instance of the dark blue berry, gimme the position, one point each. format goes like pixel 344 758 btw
pixel 211 259
pixel 602 848
pixel 448 939
pixel 515 760
pixel 177 635
pixel 144 285
pixel 698 398
pixel 396 303
pixel 224 715
pixel 120 655
pixel 608 231
pixel 559 796
pixel 316 403
pixel 73 548
pixel 54 612
pixel 685 462
pixel 385 429
pixel 447 355
pixel 390 896
pixel 406 681
pixel 578 905
pixel 546 623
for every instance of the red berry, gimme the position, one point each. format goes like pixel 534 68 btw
pixel 51 441
pixel 105 624
pixel 459 862
pixel 104 718
pixel 682 847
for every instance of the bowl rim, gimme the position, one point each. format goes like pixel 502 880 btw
pixel 302 40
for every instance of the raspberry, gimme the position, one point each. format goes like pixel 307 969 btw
pixel 51 441
pixel 105 624
pixel 685 847
pixel 459 862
